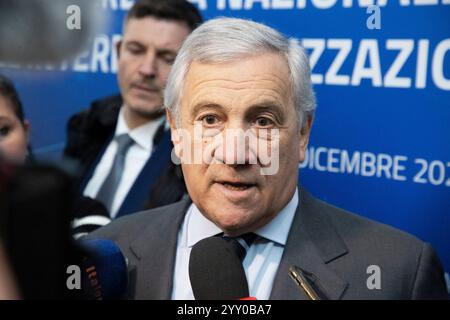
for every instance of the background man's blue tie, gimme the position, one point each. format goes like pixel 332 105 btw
pixel 109 187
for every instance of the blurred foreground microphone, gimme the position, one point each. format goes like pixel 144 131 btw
pixel 104 270
pixel 216 272
pixel 45 31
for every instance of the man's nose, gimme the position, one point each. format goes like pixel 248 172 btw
pixel 235 149
pixel 148 67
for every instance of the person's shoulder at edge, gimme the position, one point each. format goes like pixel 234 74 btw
pixel 370 240
pixel 98 109
pixel 353 225
pixel 125 229
pixel 81 126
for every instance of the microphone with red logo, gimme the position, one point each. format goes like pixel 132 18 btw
pixel 104 270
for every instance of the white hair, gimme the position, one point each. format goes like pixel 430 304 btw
pixel 224 40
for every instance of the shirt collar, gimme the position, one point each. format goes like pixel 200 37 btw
pixel 142 135
pixel 198 226
pixel 277 230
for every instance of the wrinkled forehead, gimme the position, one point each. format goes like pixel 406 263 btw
pixel 258 77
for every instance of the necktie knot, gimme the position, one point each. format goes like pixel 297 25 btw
pixel 240 245
pixel 124 142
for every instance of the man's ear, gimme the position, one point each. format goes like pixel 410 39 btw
pixel 26 128
pixel 170 120
pixel 118 47
pixel 176 137
pixel 305 133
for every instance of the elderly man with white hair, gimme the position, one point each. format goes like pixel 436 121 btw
pixel 238 90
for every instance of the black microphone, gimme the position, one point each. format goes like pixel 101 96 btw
pixel 216 272
pixel 104 270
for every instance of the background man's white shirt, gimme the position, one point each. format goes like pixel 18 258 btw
pixel 136 158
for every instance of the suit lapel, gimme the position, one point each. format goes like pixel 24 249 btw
pixel 91 168
pixel 155 250
pixel 312 244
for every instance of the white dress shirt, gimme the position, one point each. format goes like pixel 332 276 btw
pixel 136 157
pixel 261 261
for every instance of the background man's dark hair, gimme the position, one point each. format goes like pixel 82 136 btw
pixel 178 10
pixel 8 91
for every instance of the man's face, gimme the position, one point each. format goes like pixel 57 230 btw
pixel 146 53
pixel 251 94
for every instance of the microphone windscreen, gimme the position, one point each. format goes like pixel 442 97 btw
pixel 216 272
pixel 105 270
pixel 89 214
pixel 85 205
pixel 47 31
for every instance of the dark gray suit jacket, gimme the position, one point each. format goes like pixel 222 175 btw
pixel 335 246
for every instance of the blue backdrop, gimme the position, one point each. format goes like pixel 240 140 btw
pixel 381 139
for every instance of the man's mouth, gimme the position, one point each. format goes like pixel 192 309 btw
pixel 145 88
pixel 237 186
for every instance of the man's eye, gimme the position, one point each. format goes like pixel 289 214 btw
pixel 168 59
pixel 210 120
pixel 4 131
pixel 263 122
pixel 134 50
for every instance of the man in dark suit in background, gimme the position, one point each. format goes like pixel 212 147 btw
pixel 232 78
pixel 122 143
